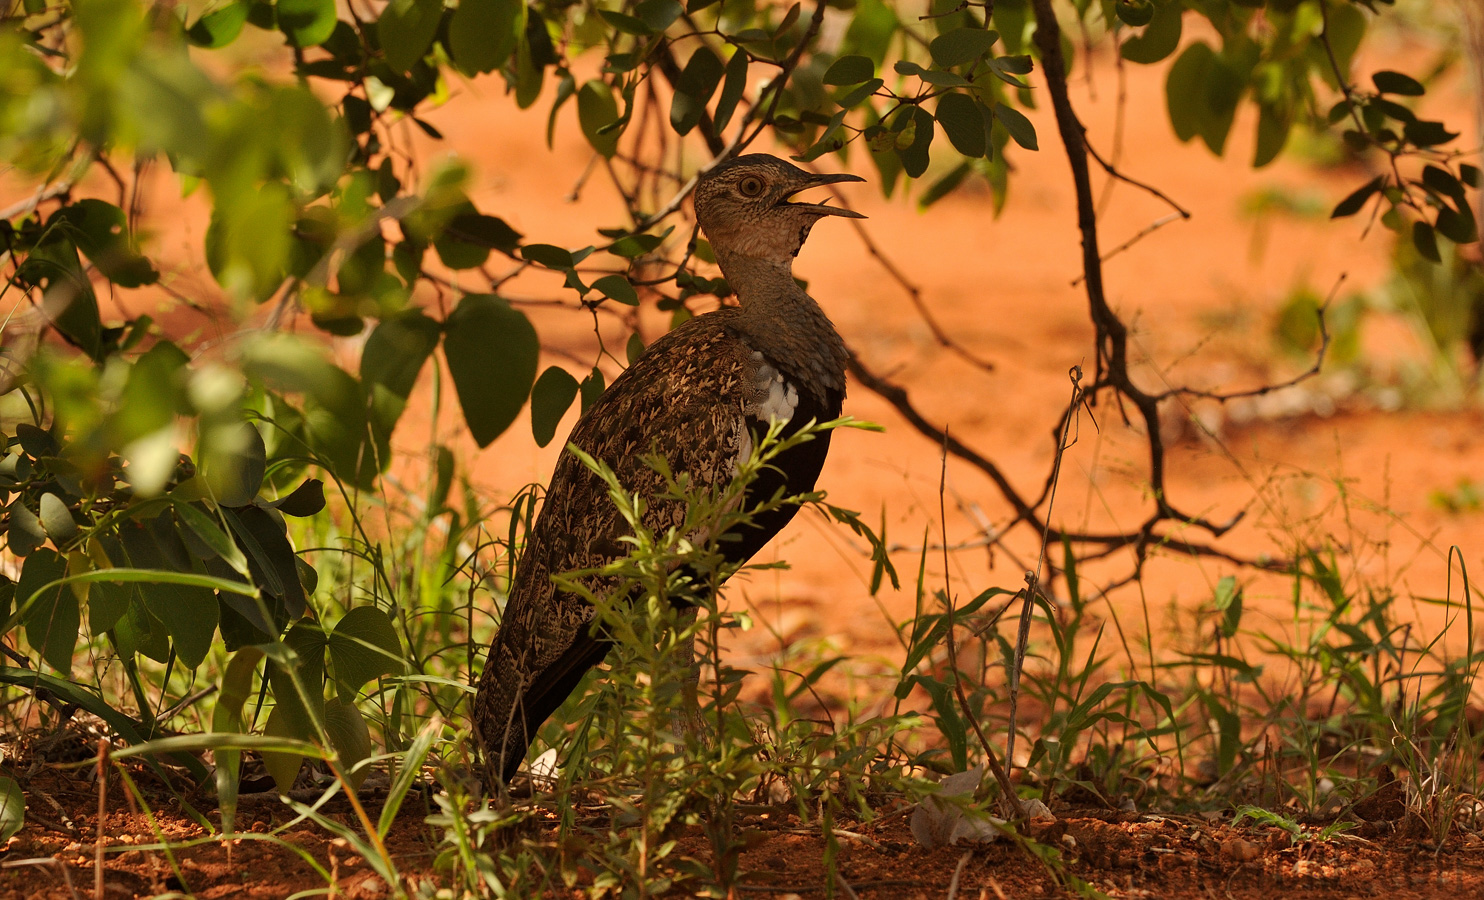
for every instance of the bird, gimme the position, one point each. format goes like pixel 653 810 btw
pixel 702 396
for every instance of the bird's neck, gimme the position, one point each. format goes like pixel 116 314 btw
pixel 783 322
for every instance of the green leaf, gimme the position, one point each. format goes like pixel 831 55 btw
pixel 1389 82
pixel 634 348
pixel 1184 86
pixel 915 154
pixel 492 352
pixel 732 89
pixel 283 766
pixel 551 397
pixel 67 297
pixel 548 255
pixel 482 33
pixel 306 500
pixel 348 734
pixel 407 773
pixel 101 231
pixel 591 388
pixel 626 23
pixel 633 246
pixel 299 688
pixel 1469 175
pixel 1229 602
pixel 57 519
pixel 406 29
pixel 617 287
pixel 1426 241
pixel 1427 134
pixel 484 231
pixel 25 533
pixel 270 556
pixel 1458 225
pixel 211 534
pixel 307 23
pixel 12 808
pixel 1353 203
pixel 850 70
pixel 596 111
pixel 693 89
pixel 961 45
pixel 219 27
pixel 51 616
pixel 394 356
pixel 363 646
pixel 963 121
pixel 1273 126
pixel 1136 13
pixel 1443 182
pixel 1158 40
pixel 1019 127
pixel 233 463
pixel 658 14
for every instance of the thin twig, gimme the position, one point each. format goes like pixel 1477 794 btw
pixel 958 871
pixel 1033 577
pixel 1008 801
pixel 50 192
pixel 102 813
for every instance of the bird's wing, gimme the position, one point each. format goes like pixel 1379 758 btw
pixel 687 399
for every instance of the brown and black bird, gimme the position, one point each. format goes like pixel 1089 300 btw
pixel 701 396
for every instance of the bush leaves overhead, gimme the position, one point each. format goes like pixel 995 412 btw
pixel 492 352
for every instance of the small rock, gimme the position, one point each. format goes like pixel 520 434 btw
pixel 369 888
pixel 1241 851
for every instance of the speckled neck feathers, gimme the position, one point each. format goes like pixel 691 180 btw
pixel 784 323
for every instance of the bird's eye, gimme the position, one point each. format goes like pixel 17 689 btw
pixel 750 186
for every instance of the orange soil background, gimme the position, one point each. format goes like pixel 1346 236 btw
pixel 1200 296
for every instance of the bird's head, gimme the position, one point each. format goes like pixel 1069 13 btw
pixel 745 208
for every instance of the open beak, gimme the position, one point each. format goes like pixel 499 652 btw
pixel 824 209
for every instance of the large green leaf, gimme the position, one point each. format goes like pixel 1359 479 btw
pixel 307 23
pixel 50 611
pixel 961 45
pixel 101 231
pixel 492 352
pixel 67 297
pixel 1184 87
pixel 393 357
pixel 693 89
pixel 732 89
pixel 963 121
pixel 188 611
pixel 597 112
pixel 1160 38
pixel 363 645
pixel 233 461
pixel 551 397
pixel 270 556
pixel 219 27
pixel 299 689
pixel 406 28
pixel 348 734
pixel 12 808
pixel 482 33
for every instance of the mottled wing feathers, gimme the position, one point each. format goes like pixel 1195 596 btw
pixel 685 398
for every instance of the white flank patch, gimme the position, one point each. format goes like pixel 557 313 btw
pixel 778 399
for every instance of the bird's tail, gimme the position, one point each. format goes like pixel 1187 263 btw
pixel 515 698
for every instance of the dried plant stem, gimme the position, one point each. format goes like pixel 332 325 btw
pixel 103 747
